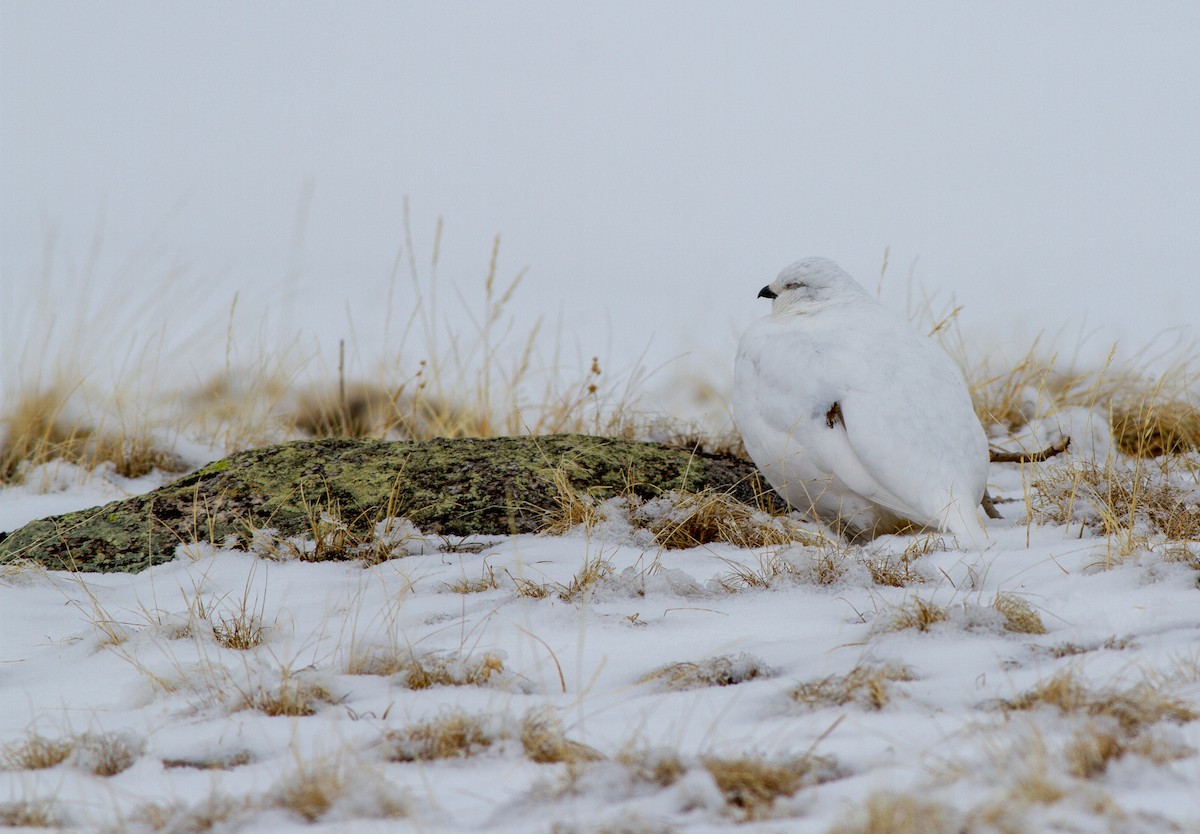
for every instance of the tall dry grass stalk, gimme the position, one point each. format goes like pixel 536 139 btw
pixel 495 377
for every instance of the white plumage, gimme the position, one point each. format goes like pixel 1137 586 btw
pixel 855 417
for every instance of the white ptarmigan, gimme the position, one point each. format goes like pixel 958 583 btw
pixel 854 416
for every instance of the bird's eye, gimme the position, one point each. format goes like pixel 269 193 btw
pixel 794 285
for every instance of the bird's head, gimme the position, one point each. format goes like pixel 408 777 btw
pixel 810 284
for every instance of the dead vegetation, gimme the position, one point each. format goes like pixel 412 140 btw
pixel 1019 616
pixel 1134 708
pixel 1008 611
pixel 1034 385
pixel 751 785
pixel 1151 427
pixel 43 426
pixel 452 736
pixel 105 754
pixel 1149 416
pixel 832 562
pixel 102 754
pixel 372 537
pixel 545 742
pixel 867 685
pixel 422 671
pixel 316 786
pixel 24 813
pixel 35 752
pixel 916 613
pixel 485 582
pixel 887 812
pixel 1096 744
pixel 211 813
pixel 653 767
pixel 592 575
pixel 1131 504
pixel 1114 643
pixel 240 630
pixel 458 734
pixel 678 520
pixel 900 570
pixel 223 761
pixel 726 670
pixel 493 382
pixel 293 696
pixel 1110 723
pixel 681 520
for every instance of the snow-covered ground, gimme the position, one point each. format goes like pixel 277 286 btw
pixel 826 694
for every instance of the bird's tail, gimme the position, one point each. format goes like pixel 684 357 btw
pixel 965 522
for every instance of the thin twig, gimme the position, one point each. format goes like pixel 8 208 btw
pixel 997 456
pixel 561 678
pixel 989 506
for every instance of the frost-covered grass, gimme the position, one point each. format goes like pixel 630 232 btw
pixel 680 664
pixel 1045 682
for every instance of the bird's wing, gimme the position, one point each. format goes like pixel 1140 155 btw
pixel 906 432
pixel 917 435
pixel 787 379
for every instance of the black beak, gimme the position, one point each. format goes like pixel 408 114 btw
pixel 766 292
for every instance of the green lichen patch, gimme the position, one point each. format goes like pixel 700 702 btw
pixel 453 487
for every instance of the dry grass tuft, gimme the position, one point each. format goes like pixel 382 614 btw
pixel 1134 708
pixel 1118 501
pixel 594 572
pixel 293 697
pixel 1033 386
pixel 891 572
pixel 898 570
pixel 867 685
pixel 105 754
pixel 39 428
pixel 406 412
pixel 35 753
pixel 544 742
pixel 527 587
pixel 1150 415
pixel 453 736
pixel 427 670
pixel 212 813
pixel 1114 643
pixel 726 670
pixel 20 572
pixel 572 507
pixel 332 535
pixel 29 814
pixel 916 613
pixel 772 567
pixel 485 582
pixel 1149 428
pixel 885 812
pixel 1095 745
pixel 227 761
pixel 680 520
pixel 311 789
pixel 826 564
pixel 1019 616
pixel 241 631
pixel 350 410
pixel 1090 750
pixel 752 785
pixel 654 767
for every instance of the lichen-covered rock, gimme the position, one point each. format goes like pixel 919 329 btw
pixel 453 487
